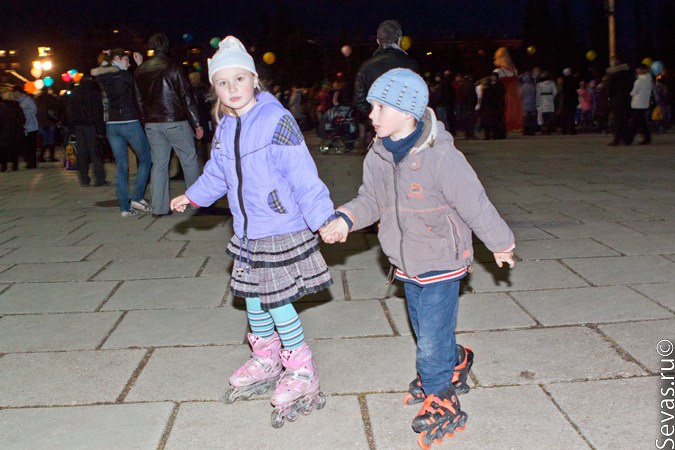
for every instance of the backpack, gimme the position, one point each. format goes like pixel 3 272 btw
pixel 69 158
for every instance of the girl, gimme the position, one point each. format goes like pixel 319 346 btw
pixel 260 160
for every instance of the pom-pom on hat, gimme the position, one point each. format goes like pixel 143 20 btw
pixel 403 90
pixel 231 53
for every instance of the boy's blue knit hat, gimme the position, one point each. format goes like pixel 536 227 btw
pixel 403 90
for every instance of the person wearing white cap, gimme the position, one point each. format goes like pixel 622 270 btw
pixel 261 162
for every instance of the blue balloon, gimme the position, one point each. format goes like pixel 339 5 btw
pixel 187 37
pixel 657 68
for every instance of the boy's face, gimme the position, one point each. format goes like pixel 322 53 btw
pixel 389 122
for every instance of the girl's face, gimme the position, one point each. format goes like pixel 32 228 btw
pixel 391 122
pixel 235 87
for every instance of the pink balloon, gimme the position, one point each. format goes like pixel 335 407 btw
pixel 346 50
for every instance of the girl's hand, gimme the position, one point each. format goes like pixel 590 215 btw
pixel 179 203
pixel 504 257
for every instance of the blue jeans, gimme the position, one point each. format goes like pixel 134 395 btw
pixel 131 133
pixel 433 314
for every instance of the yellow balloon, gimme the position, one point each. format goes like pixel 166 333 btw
pixel 531 50
pixel 591 55
pixel 647 62
pixel 406 42
pixel 269 58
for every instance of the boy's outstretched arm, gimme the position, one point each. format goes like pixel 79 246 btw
pixel 334 231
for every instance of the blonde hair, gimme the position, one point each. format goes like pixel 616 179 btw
pixel 219 110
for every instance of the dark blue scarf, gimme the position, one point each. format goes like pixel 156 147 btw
pixel 401 147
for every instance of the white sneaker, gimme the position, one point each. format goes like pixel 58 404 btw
pixel 129 213
pixel 141 205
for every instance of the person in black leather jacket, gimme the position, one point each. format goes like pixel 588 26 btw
pixel 169 110
pixel 388 55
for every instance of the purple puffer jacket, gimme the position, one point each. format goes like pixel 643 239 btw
pixel 261 161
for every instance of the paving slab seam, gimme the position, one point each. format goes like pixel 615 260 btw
pixel 617 347
pixel 77 228
pixel 566 416
pixel 667 308
pixel 83 238
pixel 84 259
pixel 562 263
pixel 389 317
pixel 135 375
pixel 530 315
pixel 367 424
pixel 109 296
pixel 202 267
pixel 345 285
pixel 9 267
pixel 112 330
pixel 182 249
pixel 169 427
pixel 99 271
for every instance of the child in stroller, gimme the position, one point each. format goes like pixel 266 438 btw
pixel 339 129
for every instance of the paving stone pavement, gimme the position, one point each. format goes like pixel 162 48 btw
pixel 121 333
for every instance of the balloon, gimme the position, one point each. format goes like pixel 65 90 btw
pixel 647 62
pixel 47 65
pixel 187 37
pixel 29 87
pixel 39 84
pixel 657 68
pixel 37 73
pixel 214 42
pixel 346 50
pixel 37 65
pixel 269 58
pixel 481 52
pixel 531 50
pixel 591 55
pixel 77 77
pixel 72 73
pixel 48 81
pixel 406 42
pixel 197 66
pixel 65 76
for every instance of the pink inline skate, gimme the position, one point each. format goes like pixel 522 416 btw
pixel 260 372
pixel 298 389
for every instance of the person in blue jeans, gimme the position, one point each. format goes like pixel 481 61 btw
pixel 428 200
pixel 123 128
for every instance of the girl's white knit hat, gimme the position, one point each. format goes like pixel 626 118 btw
pixel 231 53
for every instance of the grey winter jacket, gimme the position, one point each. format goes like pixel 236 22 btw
pixel 427 205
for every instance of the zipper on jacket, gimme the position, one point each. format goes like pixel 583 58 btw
pixel 240 195
pixel 398 219
pixel 455 239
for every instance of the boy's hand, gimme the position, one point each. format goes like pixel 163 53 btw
pixel 335 231
pixel 179 203
pixel 504 257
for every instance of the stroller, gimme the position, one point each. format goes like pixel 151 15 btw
pixel 339 130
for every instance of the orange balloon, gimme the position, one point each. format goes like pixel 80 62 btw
pixel 77 77
pixel 269 58
pixel 29 87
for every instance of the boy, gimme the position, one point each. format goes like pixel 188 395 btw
pixel 428 201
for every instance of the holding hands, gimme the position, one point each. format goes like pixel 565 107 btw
pixel 334 231
pixel 179 203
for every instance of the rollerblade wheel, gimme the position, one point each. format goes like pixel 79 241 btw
pixel 277 419
pixel 292 416
pixel 229 396
pixel 320 401
pixel 323 149
pixel 424 440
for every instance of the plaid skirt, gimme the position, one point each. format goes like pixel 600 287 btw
pixel 278 269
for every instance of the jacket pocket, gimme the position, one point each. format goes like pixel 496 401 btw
pixel 274 202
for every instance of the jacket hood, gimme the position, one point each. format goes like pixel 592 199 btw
pixel 100 70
